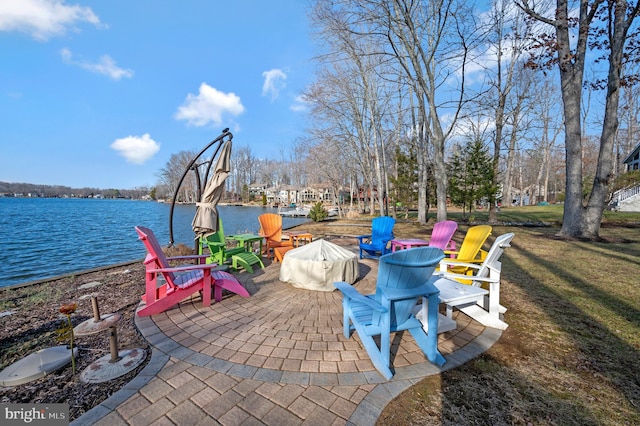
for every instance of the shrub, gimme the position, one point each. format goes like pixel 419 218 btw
pixel 318 213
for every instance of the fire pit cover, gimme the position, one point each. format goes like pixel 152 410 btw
pixel 317 265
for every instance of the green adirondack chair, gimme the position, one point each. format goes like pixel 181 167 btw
pixel 219 252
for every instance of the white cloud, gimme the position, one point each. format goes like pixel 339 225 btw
pixel 136 149
pixel 106 66
pixel 273 82
pixel 42 19
pixel 299 104
pixel 208 106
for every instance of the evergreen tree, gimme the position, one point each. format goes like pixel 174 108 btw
pixel 471 176
pixel 405 185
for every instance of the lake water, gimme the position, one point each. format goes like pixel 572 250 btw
pixel 46 237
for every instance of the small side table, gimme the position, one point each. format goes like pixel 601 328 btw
pixel 247 240
pixel 407 243
pixel 296 237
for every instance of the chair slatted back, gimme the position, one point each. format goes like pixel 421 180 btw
pixel 442 233
pixel 382 229
pixel 492 261
pixel 218 236
pixel 405 269
pixel 271 226
pixel 473 241
pixel 155 251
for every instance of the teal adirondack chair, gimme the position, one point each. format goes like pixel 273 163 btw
pixel 376 243
pixel 403 278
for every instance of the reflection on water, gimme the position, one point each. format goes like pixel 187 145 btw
pixel 46 237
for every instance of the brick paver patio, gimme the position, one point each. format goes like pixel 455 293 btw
pixel 276 358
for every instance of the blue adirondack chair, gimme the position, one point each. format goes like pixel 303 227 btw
pixel 375 244
pixel 403 278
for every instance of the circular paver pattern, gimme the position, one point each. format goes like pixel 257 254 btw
pixel 277 357
pixel 285 329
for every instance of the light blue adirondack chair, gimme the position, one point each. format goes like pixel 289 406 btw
pixel 403 278
pixel 375 244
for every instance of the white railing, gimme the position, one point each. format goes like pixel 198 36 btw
pixel 623 194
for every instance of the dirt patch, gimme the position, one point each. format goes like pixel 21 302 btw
pixel 35 317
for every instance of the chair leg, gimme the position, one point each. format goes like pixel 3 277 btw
pixel 380 362
pixel 224 280
pixel 206 288
pixel 429 342
pixel 346 326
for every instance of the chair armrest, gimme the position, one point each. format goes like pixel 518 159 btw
pixel 185 268
pixel 193 256
pixel 351 293
pixel 467 278
pixel 362 237
pixel 467 263
pixel 454 262
pixel 216 244
pixel 426 289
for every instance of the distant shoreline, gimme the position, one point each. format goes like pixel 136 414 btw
pixel 72 274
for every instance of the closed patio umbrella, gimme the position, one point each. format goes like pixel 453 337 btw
pixel 205 221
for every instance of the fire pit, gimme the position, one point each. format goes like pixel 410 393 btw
pixel 317 265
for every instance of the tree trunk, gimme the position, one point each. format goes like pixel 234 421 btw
pixel 605 167
pixel 422 175
pixel 571 75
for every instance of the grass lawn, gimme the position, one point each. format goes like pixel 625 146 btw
pixel 571 354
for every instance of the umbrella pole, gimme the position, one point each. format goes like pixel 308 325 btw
pixel 219 139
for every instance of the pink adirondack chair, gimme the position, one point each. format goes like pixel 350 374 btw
pixel 442 234
pixel 182 281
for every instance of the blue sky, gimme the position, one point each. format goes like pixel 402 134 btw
pixel 102 93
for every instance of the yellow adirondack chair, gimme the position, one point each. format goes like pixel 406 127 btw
pixel 470 250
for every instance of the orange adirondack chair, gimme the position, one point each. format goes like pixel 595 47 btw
pixel 271 230
pixel 182 281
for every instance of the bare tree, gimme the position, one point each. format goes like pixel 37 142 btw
pixel 430 42
pixel 426 43
pixel 243 170
pixel 507 40
pixel 598 25
pixel 519 122
pixel 359 96
pixel 327 163
pixel 173 171
pixel 550 121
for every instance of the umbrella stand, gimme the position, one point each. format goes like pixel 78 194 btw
pixel 225 135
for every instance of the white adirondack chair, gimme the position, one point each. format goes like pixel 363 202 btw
pixel 489 311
